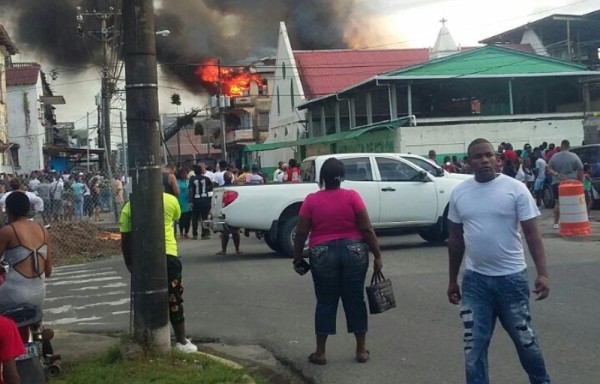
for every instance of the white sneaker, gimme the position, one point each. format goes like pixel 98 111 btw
pixel 555 226
pixel 187 347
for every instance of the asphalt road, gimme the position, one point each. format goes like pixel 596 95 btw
pixel 256 298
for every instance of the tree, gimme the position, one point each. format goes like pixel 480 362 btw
pixel 176 99
pixel 198 129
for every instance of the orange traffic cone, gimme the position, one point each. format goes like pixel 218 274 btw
pixel 573 211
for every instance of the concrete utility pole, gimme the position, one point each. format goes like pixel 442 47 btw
pixel 149 277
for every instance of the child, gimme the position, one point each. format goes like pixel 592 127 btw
pixel 587 187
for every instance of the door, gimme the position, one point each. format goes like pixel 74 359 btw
pixel 404 196
pixel 359 176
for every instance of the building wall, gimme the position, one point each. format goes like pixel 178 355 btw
pixel 4 167
pixel 25 126
pixel 285 121
pixel 454 139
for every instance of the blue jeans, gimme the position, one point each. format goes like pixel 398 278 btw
pixel 78 207
pixel 485 298
pixel 338 269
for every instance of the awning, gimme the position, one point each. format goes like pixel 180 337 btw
pixel 269 146
pixel 346 135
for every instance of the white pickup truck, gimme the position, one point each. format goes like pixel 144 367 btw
pixel 401 191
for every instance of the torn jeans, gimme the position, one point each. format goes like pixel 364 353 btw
pixel 485 298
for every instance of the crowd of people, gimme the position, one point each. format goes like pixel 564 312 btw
pixel 63 197
pixel 193 185
pixel 531 165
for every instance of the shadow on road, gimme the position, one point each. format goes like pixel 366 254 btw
pixel 230 257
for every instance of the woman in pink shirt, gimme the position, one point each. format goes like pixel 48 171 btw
pixel 340 238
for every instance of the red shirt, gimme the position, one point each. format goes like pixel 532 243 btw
pixel 293 175
pixel 332 215
pixel 512 155
pixel 11 345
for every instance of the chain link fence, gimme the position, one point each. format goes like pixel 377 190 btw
pixel 80 212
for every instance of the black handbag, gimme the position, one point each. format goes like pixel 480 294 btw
pixel 380 294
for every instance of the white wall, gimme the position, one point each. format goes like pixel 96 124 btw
pixel 286 117
pixel 30 138
pixel 454 139
pixel 3 109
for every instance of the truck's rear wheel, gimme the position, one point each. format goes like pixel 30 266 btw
pixel 287 234
pixel 273 244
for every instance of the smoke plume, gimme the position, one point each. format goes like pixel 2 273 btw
pixel 233 31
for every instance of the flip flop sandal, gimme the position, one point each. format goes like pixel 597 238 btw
pixel 221 253
pixel 363 358
pixel 316 360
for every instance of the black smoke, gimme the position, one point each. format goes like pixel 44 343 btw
pixel 230 30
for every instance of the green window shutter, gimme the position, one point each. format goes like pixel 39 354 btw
pixel 278 102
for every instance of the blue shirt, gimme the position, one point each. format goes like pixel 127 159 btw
pixel 184 195
pixel 77 188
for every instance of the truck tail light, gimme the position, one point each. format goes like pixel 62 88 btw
pixel 229 197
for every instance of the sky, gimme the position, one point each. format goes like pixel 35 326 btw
pixel 392 24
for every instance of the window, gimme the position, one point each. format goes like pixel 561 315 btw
pixel 357 169
pixel 278 102
pixel 426 165
pixel 307 171
pixel 14 154
pixel 292 93
pixel 283 69
pixel 395 170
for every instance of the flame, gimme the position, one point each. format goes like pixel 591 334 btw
pixel 236 81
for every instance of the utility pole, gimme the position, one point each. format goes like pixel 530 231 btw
pixel 123 145
pixel 221 102
pixel 105 35
pixel 149 276
pixel 87 145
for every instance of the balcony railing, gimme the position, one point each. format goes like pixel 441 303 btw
pixel 239 135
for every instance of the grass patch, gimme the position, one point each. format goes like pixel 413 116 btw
pixel 110 367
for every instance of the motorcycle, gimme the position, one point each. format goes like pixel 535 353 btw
pixel 39 361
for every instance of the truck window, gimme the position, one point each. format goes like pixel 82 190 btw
pixel 357 169
pixel 307 171
pixel 395 170
pixel 426 165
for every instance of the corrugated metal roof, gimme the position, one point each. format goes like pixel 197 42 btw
pixel 23 75
pixel 489 61
pixel 326 72
pixel 329 71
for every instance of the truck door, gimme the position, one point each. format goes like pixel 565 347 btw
pixel 404 196
pixel 359 176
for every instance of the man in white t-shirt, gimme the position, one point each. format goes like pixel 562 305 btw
pixel 278 171
pixel 540 178
pixel 218 177
pixel 484 216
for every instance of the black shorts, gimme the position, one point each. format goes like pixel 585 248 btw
pixel 175 289
pixel 555 191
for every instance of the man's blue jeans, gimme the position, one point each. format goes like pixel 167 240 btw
pixel 485 298
pixel 338 269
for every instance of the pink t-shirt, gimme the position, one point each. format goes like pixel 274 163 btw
pixel 332 215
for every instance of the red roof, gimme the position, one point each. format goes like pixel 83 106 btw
pixel 23 75
pixel 326 72
pixel 329 71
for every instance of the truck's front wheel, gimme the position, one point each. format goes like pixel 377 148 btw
pixel 287 234
pixel 437 233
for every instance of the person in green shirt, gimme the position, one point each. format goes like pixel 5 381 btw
pixel 174 270
pixel 587 188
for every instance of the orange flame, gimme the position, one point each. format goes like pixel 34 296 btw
pixel 236 81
